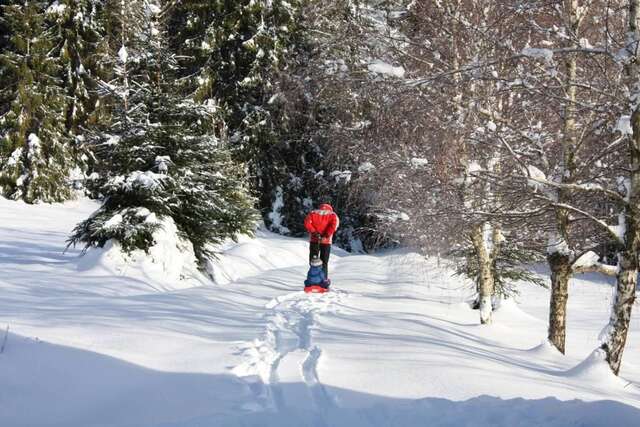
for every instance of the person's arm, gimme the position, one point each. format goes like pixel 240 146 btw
pixel 308 224
pixel 331 228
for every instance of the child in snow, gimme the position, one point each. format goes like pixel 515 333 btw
pixel 315 276
pixel 321 224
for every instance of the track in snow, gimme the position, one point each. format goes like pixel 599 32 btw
pixel 285 354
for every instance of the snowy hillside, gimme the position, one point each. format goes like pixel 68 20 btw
pixel 103 341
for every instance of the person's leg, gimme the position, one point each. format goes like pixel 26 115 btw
pixel 314 250
pixel 325 252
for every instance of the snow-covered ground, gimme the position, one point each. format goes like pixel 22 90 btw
pixel 103 341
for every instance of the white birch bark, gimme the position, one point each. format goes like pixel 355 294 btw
pixel 614 340
pixel 486 281
pixel 559 257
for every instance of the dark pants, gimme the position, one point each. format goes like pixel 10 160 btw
pixel 324 250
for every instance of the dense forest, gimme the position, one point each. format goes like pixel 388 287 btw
pixel 510 131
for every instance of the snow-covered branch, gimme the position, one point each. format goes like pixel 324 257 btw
pixel 589 263
pixel 618 238
pixel 587 188
pixel 546 54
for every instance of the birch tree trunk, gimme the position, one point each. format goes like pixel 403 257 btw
pixel 560 265
pixel 626 280
pixel 486 281
pixel 482 253
pixel 559 257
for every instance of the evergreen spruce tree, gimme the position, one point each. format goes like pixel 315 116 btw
pixel 509 268
pixel 159 153
pixel 242 54
pixel 81 47
pixel 231 49
pixel 5 74
pixel 247 44
pixel 35 151
pixel 81 44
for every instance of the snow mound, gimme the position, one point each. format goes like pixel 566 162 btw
pixel 509 309
pixel 167 266
pixel 250 256
pixel 544 350
pixel 595 370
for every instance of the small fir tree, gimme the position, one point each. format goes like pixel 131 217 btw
pixel 160 156
pixel 509 267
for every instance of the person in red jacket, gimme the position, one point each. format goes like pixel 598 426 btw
pixel 321 224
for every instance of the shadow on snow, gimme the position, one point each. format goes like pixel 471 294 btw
pixel 51 385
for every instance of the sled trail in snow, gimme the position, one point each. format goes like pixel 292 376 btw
pixel 285 353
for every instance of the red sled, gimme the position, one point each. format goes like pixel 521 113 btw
pixel 315 289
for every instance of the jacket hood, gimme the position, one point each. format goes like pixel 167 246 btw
pixel 326 207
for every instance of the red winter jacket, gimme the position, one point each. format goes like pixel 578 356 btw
pixel 323 221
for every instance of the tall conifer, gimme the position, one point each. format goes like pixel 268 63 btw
pixel 36 158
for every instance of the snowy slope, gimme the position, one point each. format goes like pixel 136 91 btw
pixel 107 341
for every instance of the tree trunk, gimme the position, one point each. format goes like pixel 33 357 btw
pixel 485 274
pixel 627 277
pixel 621 310
pixel 560 265
pixel 559 258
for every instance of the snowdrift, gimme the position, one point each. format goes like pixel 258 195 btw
pixel 169 265
pixel 113 340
